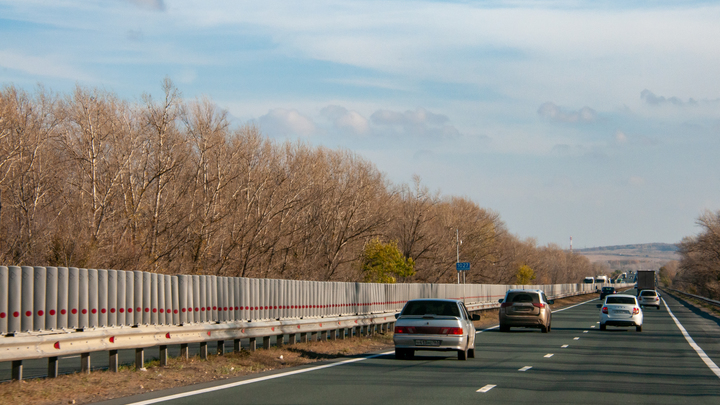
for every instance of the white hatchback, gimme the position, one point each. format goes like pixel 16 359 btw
pixel 621 310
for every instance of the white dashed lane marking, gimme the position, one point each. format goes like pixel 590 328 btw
pixel 486 388
pixel 549 355
pixel 576 338
pixel 526 368
pixel 564 346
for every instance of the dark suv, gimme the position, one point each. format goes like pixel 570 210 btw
pixel 607 291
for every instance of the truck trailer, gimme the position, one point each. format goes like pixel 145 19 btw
pixel 645 280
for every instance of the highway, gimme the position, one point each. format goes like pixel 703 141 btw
pixel 575 363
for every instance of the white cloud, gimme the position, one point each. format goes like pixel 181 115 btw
pixel 620 137
pixel 344 119
pixel 158 5
pixel 46 66
pixel 556 113
pixel 420 123
pixel 282 122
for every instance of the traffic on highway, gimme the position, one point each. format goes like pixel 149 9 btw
pixel 673 361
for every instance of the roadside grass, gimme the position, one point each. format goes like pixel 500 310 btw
pixel 103 385
pixel 701 305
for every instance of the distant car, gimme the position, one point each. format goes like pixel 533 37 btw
pixel 607 291
pixel 621 310
pixel 526 308
pixel 649 298
pixel 434 324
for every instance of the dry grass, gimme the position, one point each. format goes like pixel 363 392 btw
pixel 103 385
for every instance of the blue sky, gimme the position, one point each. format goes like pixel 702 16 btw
pixel 597 120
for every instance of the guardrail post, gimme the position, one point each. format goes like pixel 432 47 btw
pixel 53 367
pixel 203 350
pixel 17 369
pixel 313 337
pixel 113 361
pixel 333 334
pixel 323 335
pixel 236 346
pixel 342 332
pixel 85 363
pixel 220 347
pixel 303 337
pixel 139 358
pixel 253 344
pixel 280 341
pixel 266 342
pixel 184 351
pixel 163 355
pixel 292 339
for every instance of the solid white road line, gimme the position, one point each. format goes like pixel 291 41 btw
pixel 486 388
pixel 711 364
pixel 253 380
pixel 549 355
pixel 526 368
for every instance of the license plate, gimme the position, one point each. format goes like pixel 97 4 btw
pixel 523 309
pixel 621 311
pixel 427 343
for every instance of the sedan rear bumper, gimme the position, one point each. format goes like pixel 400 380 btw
pixel 406 341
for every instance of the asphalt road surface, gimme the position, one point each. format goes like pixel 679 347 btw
pixel 576 363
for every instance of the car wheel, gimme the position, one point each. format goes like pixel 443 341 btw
pixel 471 353
pixel 603 326
pixel 658 307
pixel 410 353
pixel 544 329
pixel 638 328
pixel 399 353
pixel 462 354
pixel 504 328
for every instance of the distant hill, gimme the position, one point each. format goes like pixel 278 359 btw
pixel 632 257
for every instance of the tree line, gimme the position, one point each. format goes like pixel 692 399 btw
pixel 698 270
pixel 170 186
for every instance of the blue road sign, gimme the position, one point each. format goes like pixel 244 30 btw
pixel 462 266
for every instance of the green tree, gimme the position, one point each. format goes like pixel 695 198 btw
pixel 525 274
pixel 383 262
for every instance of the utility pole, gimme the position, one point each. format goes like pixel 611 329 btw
pixel 457 247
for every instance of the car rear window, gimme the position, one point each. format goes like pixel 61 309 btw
pixel 608 289
pixel 648 293
pixel 431 308
pixel 620 300
pixel 522 297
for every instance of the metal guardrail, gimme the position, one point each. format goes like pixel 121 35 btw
pixel 708 300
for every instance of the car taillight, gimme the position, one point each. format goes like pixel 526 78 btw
pixel 401 329
pixel 538 304
pixel 505 304
pixel 636 311
pixel 604 310
pixel 452 331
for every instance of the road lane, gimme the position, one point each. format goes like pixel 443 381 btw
pixel 619 365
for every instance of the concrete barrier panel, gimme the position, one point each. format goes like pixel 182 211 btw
pixel 146 298
pixel 93 298
pixel 154 299
pixel 112 291
pixel 14 299
pixel 168 300
pixel 26 314
pixel 39 297
pixel 4 290
pixel 102 298
pixel 83 300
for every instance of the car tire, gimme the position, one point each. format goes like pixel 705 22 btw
pixel 462 354
pixel 399 354
pixel 410 353
pixel 603 326
pixel 638 328
pixel 504 328
pixel 544 329
pixel 658 307
pixel 471 354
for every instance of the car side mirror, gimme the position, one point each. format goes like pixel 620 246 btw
pixel 475 317
pixel 397 315
pixel 501 300
pixel 551 302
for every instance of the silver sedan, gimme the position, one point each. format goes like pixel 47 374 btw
pixel 434 324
